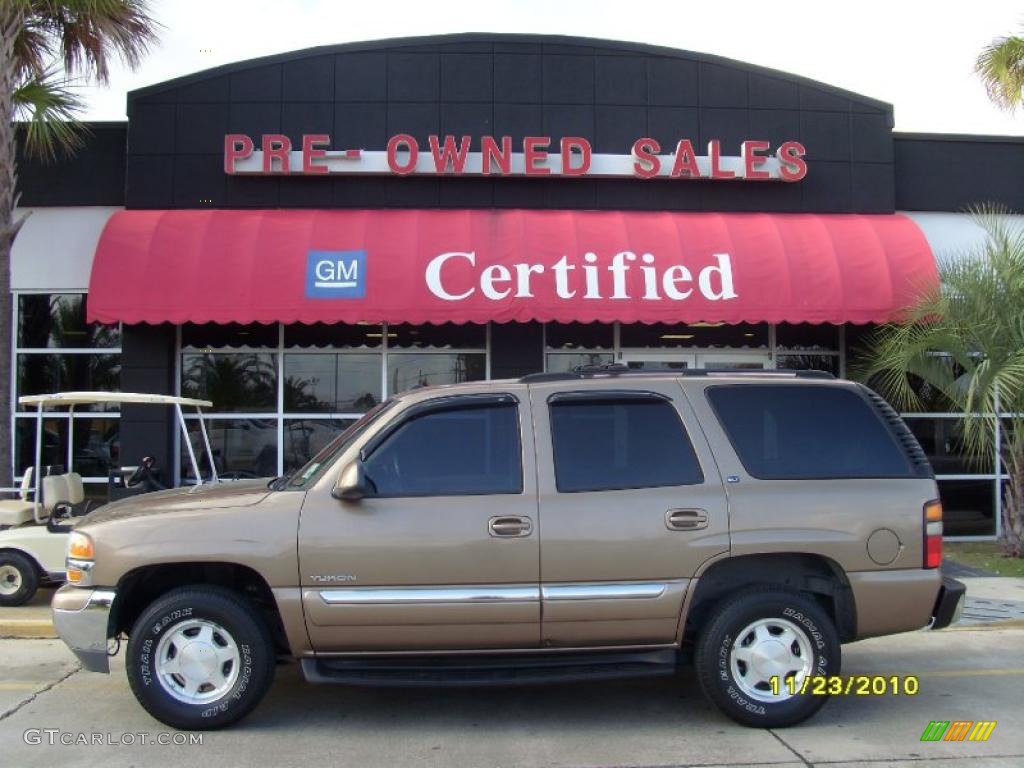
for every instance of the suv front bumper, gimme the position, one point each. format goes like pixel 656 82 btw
pixel 949 604
pixel 81 617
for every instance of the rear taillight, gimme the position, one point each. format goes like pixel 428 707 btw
pixel 933 534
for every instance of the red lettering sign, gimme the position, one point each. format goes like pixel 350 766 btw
pixel 457 156
pixel 236 147
pixel 535 152
pixel 409 144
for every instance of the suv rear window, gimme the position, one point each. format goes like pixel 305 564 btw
pixel 611 443
pixel 807 432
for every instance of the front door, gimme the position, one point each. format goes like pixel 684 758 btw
pixel 442 554
pixel 631 505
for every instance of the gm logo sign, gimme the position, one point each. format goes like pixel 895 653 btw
pixel 336 275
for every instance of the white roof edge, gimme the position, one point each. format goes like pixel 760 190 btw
pixel 82 398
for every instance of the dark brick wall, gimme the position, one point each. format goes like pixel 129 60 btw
pixel 147 365
pixel 609 93
pixel 936 172
pixel 94 175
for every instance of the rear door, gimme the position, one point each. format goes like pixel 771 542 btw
pixel 631 504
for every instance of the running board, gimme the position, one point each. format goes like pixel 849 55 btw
pixel 474 670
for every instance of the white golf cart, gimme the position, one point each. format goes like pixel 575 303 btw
pixel 34 527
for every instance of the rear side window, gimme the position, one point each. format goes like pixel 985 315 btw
pixel 451 451
pixel 806 432
pixel 614 443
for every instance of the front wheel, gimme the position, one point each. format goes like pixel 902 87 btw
pixel 19 579
pixel 200 658
pixel 756 652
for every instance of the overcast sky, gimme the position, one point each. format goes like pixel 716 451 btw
pixel 916 54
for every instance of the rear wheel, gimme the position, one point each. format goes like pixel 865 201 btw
pixel 200 658
pixel 756 652
pixel 19 579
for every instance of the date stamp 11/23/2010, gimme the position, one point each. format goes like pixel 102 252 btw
pixel 853 685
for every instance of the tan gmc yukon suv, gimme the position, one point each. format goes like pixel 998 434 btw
pixel 590 525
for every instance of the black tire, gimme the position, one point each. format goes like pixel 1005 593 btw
pixel 19 568
pixel 180 609
pixel 714 660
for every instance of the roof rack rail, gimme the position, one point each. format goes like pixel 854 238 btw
pixel 619 369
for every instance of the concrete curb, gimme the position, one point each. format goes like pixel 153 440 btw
pixel 36 629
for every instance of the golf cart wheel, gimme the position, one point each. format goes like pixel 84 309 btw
pixel 756 653
pixel 200 658
pixel 19 578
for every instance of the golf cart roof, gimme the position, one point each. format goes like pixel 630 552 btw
pixel 83 398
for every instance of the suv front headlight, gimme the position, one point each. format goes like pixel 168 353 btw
pixel 81 557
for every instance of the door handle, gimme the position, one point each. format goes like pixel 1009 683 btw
pixel 686 519
pixel 507 526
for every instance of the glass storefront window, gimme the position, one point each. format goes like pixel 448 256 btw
pixel 336 336
pixel 695 335
pixel 809 362
pixel 801 337
pixel 57 320
pixel 55 443
pixel 96 447
pixel 242 448
pixel 412 370
pixel 217 335
pixel 331 382
pixel 443 336
pixel 942 441
pixel 42 373
pixel 235 382
pixel 560 362
pixel 304 438
pixel 968 507
pixel 579 335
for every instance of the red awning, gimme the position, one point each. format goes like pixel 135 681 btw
pixel 434 266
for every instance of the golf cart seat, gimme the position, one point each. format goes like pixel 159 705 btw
pixel 18 511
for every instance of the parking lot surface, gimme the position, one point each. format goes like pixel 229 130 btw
pixel 965 674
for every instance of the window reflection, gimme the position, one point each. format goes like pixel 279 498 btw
pixel 304 438
pixel 233 382
pixel 50 320
pixel 410 371
pixel 242 448
pixel 332 383
pixel 40 374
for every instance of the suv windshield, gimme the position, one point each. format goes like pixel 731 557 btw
pixel 327 454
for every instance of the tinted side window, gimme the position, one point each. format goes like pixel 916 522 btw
pixel 450 452
pixel 609 444
pixel 806 432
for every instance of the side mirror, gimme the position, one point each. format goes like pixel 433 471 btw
pixel 351 485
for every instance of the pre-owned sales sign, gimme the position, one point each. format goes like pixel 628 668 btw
pixel 534 156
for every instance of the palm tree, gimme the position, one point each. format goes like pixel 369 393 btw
pixel 1001 68
pixel 965 341
pixel 43 44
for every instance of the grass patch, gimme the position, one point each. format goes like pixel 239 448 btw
pixel 984 554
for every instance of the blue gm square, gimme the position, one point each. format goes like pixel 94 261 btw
pixel 336 275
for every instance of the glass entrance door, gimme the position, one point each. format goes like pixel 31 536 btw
pixel 682 360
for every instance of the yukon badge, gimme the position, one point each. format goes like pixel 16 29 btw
pixel 332 578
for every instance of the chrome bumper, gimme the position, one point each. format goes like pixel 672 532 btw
pixel 81 617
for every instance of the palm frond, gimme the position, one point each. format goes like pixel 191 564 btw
pixel 964 341
pixel 1001 68
pixel 91 32
pixel 49 106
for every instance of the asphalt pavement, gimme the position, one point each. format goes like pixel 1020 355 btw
pixel 967 673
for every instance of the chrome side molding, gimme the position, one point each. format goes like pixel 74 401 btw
pixel 419 595
pixel 492 594
pixel 603 591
